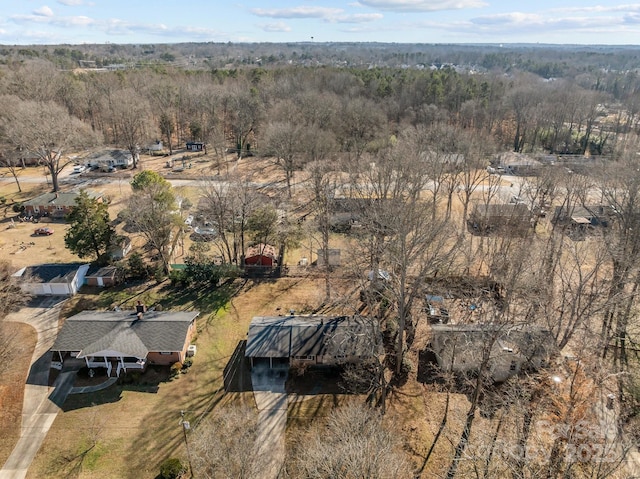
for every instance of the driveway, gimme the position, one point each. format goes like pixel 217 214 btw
pixel 271 400
pixel 41 402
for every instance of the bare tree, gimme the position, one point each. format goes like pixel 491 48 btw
pixel 10 160
pixel 283 142
pixel 131 116
pixel 151 211
pixel 356 442
pixel 221 445
pixel 228 205
pixel 46 130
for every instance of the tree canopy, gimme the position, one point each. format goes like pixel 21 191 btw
pixel 90 233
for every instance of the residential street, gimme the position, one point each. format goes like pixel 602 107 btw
pixel 41 402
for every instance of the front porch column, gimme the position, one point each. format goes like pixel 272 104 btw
pixel 60 355
pixel 105 361
pixel 86 360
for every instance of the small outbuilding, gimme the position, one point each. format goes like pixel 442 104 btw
pixel 264 255
pixel 196 146
pixel 102 276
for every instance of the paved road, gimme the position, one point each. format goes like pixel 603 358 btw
pixel 41 402
pixel 271 400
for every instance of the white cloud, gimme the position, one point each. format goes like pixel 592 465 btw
pixel 422 5
pixel 297 12
pixel 599 9
pixel 513 18
pixel 358 18
pixel 43 11
pixel 332 15
pixel 632 18
pixel 276 27
pixel 65 22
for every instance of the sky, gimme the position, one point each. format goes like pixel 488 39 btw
pixel 25 22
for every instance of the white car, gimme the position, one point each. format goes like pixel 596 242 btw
pixel 188 220
pixel 79 168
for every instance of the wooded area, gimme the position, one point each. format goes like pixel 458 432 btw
pixel 404 144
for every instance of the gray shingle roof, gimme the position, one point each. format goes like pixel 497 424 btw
pixel 57 199
pixel 91 332
pixel 52 273
pixel 289 336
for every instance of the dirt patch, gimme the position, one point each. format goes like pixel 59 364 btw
pixel 12 381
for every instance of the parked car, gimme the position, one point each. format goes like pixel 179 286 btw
pixel 45 231
pixel 188 220
pixel 79 168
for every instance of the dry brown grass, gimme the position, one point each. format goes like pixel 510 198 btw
pixel 12 382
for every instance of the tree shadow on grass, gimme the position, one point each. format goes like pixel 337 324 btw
pixel 207 300
pixel 237 372
pixel 147 382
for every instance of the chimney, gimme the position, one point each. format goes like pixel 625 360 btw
pixel 140 308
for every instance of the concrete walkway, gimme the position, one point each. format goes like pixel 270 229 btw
pixel 271 400
pixel 97 387
pixel 41 402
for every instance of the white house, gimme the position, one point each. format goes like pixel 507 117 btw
pixel 110 159
pixel 52 279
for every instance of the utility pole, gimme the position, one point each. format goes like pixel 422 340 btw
pixel 185 427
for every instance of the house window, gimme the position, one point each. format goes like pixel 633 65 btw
pixel 305 358
pixel 165 353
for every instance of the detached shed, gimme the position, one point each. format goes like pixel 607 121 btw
pixel 196 146
pixel 103 277
pixel 334 257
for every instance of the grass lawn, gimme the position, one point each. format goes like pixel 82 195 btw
pixel 126 431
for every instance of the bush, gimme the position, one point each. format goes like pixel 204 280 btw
pixel 178 277
pixel 176 368
pixel 187 364
pixel 137 266
pixel 171 468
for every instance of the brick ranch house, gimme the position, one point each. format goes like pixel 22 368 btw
pixel 121 341
pixel 53 205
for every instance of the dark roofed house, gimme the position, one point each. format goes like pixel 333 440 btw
pixel 120 341
pixel 579 216
pixel 315 340
pixel 461 348
pixel 62 279
pixel 54 205
pixel 505 218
